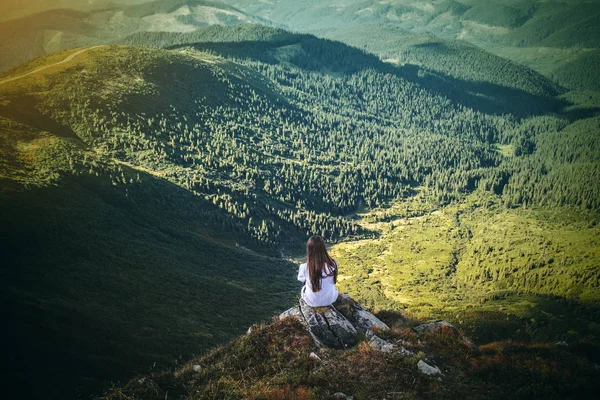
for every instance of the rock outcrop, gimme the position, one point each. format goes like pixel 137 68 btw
pixel 338 324
pixel 379 344
pixel 427 369
pixel 443 327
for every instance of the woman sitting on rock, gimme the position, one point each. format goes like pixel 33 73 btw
pixel 319 275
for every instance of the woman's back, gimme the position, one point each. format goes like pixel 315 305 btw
pixel 319 274
pixel 326 295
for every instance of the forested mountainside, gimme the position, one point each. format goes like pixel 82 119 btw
pixel 114 267
pixel 170 178
pixel 455 58
pixel 581 73
pixel 542 35
pixel 505 22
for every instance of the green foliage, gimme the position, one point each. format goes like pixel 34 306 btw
pixel 561 171
pixel 116 264
pixel 580 74
pixel 488 269
pixel 470 63
pixel 166 169
pixel 509 16
pixel 245 146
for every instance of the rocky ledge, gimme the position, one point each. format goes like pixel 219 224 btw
pixel 324 353
pixel 346 322
pixel 337 325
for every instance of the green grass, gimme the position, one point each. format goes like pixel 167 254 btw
pixel 507 150
pixel 487 269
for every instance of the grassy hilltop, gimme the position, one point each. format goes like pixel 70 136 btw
pixel 273 362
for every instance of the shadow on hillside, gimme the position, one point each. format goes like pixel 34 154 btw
pixel 548 319
pixel 304 51
pixel 578 113
pixel 98 286
pixel 22 109
pixel 318 55
pixel 486 97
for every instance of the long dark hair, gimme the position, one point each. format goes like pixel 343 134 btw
pixel 317 260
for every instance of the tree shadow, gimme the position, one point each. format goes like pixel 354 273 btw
pixel 486 97
pixel 547 318
pixel 335 58
pixel 21 109
pixel 577 113
pixel 101 285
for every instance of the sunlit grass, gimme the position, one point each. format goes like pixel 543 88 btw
pixel 479 265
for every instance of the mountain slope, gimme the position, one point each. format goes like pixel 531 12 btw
pixel 168 169
pixel 251 367
pixel 581 73
pixel 456 58
pixel 455 69
pixel 13 9
pixel 113 268
pixel 54 30
pixel 502 27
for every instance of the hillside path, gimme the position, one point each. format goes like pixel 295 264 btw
pixel 39 69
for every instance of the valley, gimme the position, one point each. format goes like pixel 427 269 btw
pixel 163 166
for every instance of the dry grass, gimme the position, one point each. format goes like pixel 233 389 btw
pixel 272 362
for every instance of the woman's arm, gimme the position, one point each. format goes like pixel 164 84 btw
pixel 302 273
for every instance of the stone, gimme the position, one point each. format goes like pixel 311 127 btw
pixel 197 368
pixel 443 327
pixel 342 396
pixel 329 326
pixel 293 312
pixel 313 356
pixel 379 344
pixel 362 319
pixel 428 369
pixel 338 324
pixel 438 326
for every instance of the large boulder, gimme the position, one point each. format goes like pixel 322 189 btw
pixel 328 325
pixel 359 316
pixel 336 325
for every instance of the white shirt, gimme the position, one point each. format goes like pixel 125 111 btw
pixel 324 297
